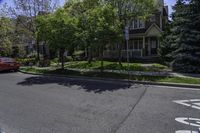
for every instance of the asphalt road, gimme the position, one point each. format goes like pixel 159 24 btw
pixel 42 104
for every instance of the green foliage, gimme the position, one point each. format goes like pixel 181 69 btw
pixel 6 36
pixel 115 66
pixel 78 55
pixel 167 46
pixel 102 23
pixel 59 30
pixel 188 52
pixel 180 43
pixel 27 61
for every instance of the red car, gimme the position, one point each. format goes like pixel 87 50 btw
pixel 8 64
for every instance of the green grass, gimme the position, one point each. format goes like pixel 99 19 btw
pixel 113 75
pixel 115 66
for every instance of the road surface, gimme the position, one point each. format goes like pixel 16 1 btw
pixel 43 104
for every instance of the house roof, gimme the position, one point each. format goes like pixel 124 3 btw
pixel 153 30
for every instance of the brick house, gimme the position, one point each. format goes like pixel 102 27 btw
pixel 144 35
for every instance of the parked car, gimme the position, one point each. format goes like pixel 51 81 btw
pixel 8 64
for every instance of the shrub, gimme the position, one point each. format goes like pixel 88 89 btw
pixel 78 55
pixel 68 59
pixel 27 61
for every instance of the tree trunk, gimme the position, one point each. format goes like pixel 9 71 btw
pixel 101 57
pixel 89 55
pixel 120 55
pixel 38 50
pixel 102 65
pixel 62 59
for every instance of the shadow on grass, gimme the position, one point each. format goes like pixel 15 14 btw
pixel 87 85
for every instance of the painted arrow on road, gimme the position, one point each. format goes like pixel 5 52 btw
pixel 193 103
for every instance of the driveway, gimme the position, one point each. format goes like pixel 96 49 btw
pixel 44 104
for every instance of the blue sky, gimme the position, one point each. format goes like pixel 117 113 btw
pixel 170 3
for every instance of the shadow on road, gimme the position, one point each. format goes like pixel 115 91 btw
pixel 88 85
pixel 7 71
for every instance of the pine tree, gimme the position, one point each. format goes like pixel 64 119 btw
pixel 170 38
pixel 166 48
pixel 187 56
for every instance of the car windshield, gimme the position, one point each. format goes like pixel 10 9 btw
pixel 7 60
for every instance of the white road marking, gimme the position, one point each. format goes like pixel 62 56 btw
pixel 189 121
pixel 193 103
pixel 178 88
pixel 198 104
pixel 186 131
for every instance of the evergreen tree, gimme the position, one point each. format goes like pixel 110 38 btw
pixel 187 55
pixel 171 36
pixel 166 47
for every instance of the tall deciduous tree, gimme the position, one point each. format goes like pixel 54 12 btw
pixel 128 10
pixel 106 27
pixel 26 12
pixel 82 10
pixel 6 36
pixel 59 30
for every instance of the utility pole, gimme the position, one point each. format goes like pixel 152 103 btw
pixel 127 49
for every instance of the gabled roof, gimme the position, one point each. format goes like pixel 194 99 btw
pixel 153 30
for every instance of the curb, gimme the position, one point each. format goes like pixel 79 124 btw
pixel 194 86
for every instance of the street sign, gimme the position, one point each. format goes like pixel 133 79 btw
pixel 127 33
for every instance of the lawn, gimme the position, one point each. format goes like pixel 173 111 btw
pixel 115 66
pixel 112 75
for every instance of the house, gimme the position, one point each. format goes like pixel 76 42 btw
pixel 144 35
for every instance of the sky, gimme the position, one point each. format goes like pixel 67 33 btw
pixel 170 3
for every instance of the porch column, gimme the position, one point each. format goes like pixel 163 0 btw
pixel 158 42
pixel 149 46
pixel 143 47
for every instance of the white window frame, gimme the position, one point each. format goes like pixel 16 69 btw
pixel 139 21
pixel 137 43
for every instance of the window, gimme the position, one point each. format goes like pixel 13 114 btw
pixel 138 44
pixel 135 24
pixel 153 19
pixel 131 44
pixel 141 24
pixel 153 44
pixel 138 24
pixel 135 44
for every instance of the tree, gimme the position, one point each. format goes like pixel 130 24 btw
pixel 6 36
pixel 188 52
pixel 166 47
pixel 107 31
pixel 128 10
pixel 171 37
pixel 82 11
pixel 26 12
pixel 59 30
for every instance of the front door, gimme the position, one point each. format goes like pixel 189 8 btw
pixel 154 46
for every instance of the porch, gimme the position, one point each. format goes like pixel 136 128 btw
pixel 139 47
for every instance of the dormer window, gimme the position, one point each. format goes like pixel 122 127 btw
pixel 138 24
